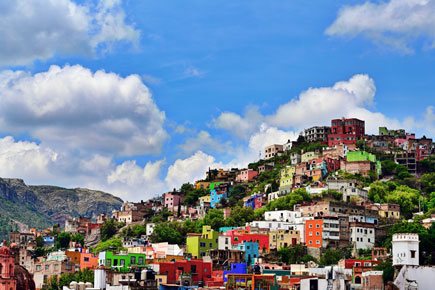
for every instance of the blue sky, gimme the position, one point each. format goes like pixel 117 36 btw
pixel 136 97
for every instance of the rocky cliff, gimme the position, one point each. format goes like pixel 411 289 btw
pixel 42 206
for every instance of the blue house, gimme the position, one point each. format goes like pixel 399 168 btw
pixel 236 268
pixel 251 249
pixel 217 192
pixel 251 201
pixel 48 242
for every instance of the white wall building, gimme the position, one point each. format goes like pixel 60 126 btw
pixel 224 243
pixel 150 228
pixel 282 215
pixel 363 234
pixel 272 225
pixel 405 249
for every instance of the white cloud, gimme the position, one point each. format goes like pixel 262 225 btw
pixel 318 106
pixel 241 127
pixel 42 29
pixel 189 169
pixel 193 72
pixel 71 107
pixel 134 182
pixel 203 141
pixel 149 79
pixel 395 23
pixel 269 135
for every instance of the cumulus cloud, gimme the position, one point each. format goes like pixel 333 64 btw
pixel 395 23
pixel 71 107
pixel 203 141
pixel 241 127
pixel 134 182
pixel 189 169
pixel 42 29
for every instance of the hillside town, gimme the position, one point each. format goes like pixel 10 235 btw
pixel 334 209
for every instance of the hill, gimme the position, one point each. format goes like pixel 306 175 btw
pixel 42 206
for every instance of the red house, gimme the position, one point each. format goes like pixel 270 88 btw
pixel 262 240
pixel 198 269
pixel 332 164
pixel 346 131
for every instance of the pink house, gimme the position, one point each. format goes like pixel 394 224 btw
pixel 172 199
pixel 246 175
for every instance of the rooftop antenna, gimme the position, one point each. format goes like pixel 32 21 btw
pixel 259 155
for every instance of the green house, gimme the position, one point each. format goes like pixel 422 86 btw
pixel 122 262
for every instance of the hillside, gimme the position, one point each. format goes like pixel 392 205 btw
pixel 42 206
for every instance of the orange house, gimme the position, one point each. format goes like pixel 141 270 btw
pixel 313 233
pixel 73 256
pixel 88 261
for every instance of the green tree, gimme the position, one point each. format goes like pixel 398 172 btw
pixel 39 241
pixel 330 257
pixel 428 182
pixel 427 165
pixel 78 238
pixel 388 167
pixel 388 270
pixel 236 193
pixel 64 238
pixel 108 229
pixel 240 216
pixel 406 197
pixel 187 187
pixel 291 255
pixel 165 233
pixel 113 244
pixel 214 218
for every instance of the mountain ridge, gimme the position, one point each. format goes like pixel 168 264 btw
pixel 41 206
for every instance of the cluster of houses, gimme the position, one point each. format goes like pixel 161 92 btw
pixel 237 256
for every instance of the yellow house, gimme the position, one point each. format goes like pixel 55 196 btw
pixel 204 199
pixel 287 174
pixel 307 156
pixel 283 238
pixel 201 184
pixel 198 244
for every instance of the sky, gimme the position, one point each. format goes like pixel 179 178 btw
pixel 136 97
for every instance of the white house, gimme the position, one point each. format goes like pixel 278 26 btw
pixel 282 215
pixel 363 234
pixel 405 249
pixel 150 228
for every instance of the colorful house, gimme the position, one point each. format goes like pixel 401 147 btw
pixel 122 261
pixel 218 190
pixel 254 201
pixel 357 156
pixel 240 237
pixel 313 233
pixel 286 179
pixel 198 270
pixel 346 131
pixel 198 244
pixel 205 200
pixel 251 250
pixel 307 156
pixel 283 238
pixel 88 261
pixel 236 268
pixel 246 175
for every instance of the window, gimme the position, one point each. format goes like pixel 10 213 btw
pixel 412 253
pixel 38 267
pixel 202 244
pixel 318 242
pixel 56 267
pixel 47 267
pixel 311 234
pixel 108 262
pixel 317 233
pixel 140 261
pixel 122 262
pixel 133 260
pixel 311 226
pixel 311 242
pixel 211 245
pixel 317 226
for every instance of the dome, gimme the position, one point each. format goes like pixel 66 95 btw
pixel 5 251
pixel 23 278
